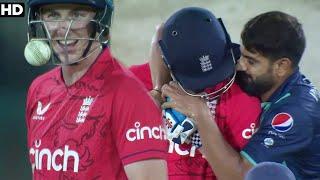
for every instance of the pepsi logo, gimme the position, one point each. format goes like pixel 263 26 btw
pixel 282 122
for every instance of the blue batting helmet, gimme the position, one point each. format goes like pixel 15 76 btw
pixel 197 49
pixel 270 170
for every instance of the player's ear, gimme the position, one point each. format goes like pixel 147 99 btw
pixel 282 66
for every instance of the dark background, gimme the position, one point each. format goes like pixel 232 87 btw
pixel 15 77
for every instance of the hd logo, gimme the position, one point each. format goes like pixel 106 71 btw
pixel 11 9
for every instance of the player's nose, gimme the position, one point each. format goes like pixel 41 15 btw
pixel 240 66
pixel 63 28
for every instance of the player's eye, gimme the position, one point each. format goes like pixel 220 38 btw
pixel 251 62
pixel 52 15
pixel 79 15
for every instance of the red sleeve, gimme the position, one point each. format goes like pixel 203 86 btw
pixel 142 72
pixel 137 124
pixel 241 116
pixel 28 112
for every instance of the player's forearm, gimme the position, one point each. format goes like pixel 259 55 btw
pixel 227 163
pixel 147 169
pixel 159 72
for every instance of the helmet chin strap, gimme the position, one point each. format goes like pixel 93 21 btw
pixel 92 35
pixel 86 51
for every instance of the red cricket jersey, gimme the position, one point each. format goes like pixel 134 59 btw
pixel 93 128
pixel 237 117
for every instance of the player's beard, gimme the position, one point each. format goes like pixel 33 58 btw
pixel 257 87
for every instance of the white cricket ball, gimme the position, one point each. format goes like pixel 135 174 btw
pixel 37 53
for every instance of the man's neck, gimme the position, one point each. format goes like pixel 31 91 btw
pixel 72 73
pixel 267 95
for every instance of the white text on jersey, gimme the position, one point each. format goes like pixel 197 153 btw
pixel 247 133
pixel 138 133
pixel 39 154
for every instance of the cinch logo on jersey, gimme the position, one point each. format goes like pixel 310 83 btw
pixel 40 111
pixel 84 109
pixel 247 133
pixel 139 133
pixel 51 157
pixel 11 9
pixel 282 122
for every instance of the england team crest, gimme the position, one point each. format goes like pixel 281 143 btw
pixel 282 122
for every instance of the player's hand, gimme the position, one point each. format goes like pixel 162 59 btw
pixel 193 107
pixel 156 95
pixel 179 127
